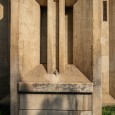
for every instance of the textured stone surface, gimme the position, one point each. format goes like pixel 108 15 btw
pixel 56 102
pixel 97 95
pixel 43 112
pixel 47 87
pixel 105 51
pixel 25 63
pixel 108 100
pixel 112 48
pixel 82 37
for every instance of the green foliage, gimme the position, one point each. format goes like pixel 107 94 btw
pixel 109 110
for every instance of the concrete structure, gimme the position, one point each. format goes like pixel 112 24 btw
pixel 56 47
pixel 55 57
pixel 107 51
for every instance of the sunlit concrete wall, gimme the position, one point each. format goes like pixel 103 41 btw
pixel 105 49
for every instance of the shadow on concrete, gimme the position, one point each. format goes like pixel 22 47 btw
pixel 53 104
pixel 4 49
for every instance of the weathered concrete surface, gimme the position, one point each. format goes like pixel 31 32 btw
pixel 58 102
pixel 112 48
pixel 107 53
pixel 29 37
pixel 108 100
pixel 62 40
pixel 105 50
pixel 59 88
pixel 14 62
pixel 25 47
pixel 51 39
pixel 42 112
pixel 40 75
pixel 83 37
pixel 97 95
